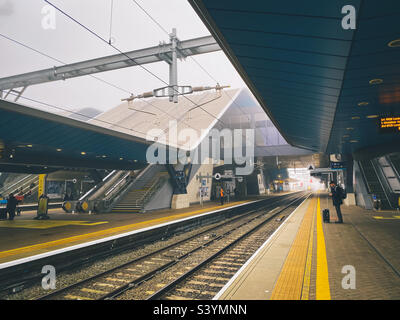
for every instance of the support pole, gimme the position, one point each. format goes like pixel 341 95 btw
pixel 173 69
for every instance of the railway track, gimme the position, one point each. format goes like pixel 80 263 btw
pixel 140 277
pixel 24 280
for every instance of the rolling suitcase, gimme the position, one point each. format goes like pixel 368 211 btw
pixel 325 215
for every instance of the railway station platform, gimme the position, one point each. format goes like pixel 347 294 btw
pixel 306 259
pixel 25 237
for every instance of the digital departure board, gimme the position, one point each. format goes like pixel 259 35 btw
pixel 390 124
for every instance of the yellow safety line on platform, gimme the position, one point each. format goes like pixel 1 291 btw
pixel 322 282
pixel 386 218
pixel 46 224
pixel 305 294
pixel 290 282
pixel 134 226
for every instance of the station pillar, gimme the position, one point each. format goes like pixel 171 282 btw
pixel 348 180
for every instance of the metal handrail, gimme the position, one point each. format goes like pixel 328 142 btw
pixel 109 203
pixel 151 190
pixel 364 177
pixel 389 160
pixel 114 187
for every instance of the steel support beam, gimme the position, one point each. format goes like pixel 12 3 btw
pixel 138 57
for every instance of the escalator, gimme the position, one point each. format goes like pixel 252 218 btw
pixel 395 161
pixel 25 185
pixel 99 197
pixel 374 183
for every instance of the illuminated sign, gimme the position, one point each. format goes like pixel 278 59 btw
pixel 390 124
pixel 337 165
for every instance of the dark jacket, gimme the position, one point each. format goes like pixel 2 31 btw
pixel 337 195
pixel 12 203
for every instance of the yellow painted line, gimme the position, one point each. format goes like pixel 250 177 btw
pixel 322 282
pixel 107 232
pixel 387 218
pixel 46 224
pixel 290 281
pixel 305 294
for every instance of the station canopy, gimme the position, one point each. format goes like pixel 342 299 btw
pixel 323 86
pixel 33 140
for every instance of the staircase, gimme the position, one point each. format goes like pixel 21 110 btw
pixel 144 188
pixel 373 183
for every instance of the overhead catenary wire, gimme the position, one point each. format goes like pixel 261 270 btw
pixel 77 113
pixel 59 61
pixel 123 53
pixel 191 57
pixel 92 76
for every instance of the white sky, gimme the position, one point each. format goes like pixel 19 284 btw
pixel 132 29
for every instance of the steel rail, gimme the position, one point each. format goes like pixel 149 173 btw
pixel 183 277
pixel 153 272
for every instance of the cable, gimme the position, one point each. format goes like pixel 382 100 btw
pixel 99 79
pixel 159 25
pixel 123 53
pixel 77 113
pixel 59 61
pixel 204 69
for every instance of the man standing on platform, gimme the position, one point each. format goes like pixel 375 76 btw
pixel 11 206
pixel 337 199
pixel 222 194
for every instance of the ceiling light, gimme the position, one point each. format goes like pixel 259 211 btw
pixel 349 128
pixel 59 150
pixel 375 81
pixel 83 153
pixel 121 158
pixel 363 103
pixel 134 160
pixel 372 116
pixel 29 145
pixel 355 118
pixel 353 141
pixel 394 43
pixel 104 156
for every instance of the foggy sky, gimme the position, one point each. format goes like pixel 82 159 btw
pixel 131 29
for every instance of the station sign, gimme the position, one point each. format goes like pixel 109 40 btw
pixel 389 124
pixel 337 165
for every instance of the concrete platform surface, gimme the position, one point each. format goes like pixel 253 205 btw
pixel 306 259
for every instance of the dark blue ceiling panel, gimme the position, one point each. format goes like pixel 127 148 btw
pixel 316 80
pixel 57 141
